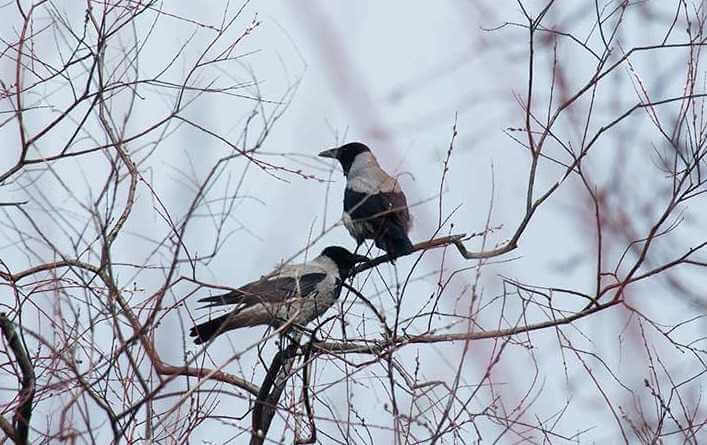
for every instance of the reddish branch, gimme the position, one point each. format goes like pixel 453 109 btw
pixel 457 241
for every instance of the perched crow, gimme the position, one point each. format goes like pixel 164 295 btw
pixel 374 204
pixel 296 293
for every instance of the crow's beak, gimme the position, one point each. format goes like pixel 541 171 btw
pixel 354 259
pixel 360 259
pixel 331 153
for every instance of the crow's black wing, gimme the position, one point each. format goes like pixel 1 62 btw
pixel 273 290
pixel 389 206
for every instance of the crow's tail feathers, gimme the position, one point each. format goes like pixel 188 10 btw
pixel 233 320
pixel 396 243
pixel 207 330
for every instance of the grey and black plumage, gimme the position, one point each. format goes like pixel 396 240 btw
pixel 296 293
pixel 375 206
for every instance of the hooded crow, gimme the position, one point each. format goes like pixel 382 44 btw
pixel 374 204
pixel 296 293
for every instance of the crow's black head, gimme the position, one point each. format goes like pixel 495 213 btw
pixel 344 259
pixel 346 154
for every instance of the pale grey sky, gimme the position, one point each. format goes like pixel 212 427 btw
pixel 396 75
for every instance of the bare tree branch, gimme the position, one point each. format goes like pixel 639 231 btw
pixel 25 396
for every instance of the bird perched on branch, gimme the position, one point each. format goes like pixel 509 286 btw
pixel 375 206
pixel 296 293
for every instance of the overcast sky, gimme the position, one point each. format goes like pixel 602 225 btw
pixel 397 75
